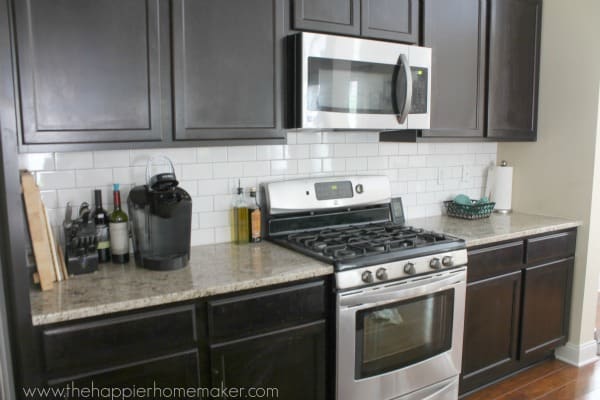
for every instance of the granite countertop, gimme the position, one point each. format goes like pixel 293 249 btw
pixel 227 268
pixel 213 269
pixel 496 228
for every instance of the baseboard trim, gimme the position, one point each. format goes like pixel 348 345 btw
pixel 578 355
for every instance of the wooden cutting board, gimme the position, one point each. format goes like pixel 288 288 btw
pixel 40 240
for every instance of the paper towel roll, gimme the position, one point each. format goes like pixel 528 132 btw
pixel 501 192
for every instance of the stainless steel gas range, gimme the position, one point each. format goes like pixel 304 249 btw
pixel 400 290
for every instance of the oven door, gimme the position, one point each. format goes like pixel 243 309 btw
pixel 348 83
pixel 397 338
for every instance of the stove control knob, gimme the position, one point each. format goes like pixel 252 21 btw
pixel 447 261
pixel 367 277
pixel 359 188
pixel 409 268
pixel 435 263
pixel 381 274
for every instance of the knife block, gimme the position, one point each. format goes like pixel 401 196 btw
pixel 81 255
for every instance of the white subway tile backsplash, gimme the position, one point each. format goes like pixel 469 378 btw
pixel 227 170
pixel 345 150
pixel 113 158
pixel 214 219
pixel 199 171
pixel 309 166
pixel 423 174
pixel 333 137
pixel 284 167
pixel 296 151
pixel 55 179
pixel 76 160
pixel 211 154
pixel 37 161
pixel 201 204
pixel 375 163
pixel 367 149
pixel 321 150
pixel 241 153
pixel 334 165
pixel 49 198
pixel 308 137
pixel 269 152
pixel 203 236
pixel 256 168
pixel 93 177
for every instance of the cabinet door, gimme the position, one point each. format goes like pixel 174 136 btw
pixel 456 32
pixel 514 55
pixel 225 54
pixel 546 304
pixel 491 330
pixel 331 16
pixel 93 70
pixel 292 361
pixel 390 20
pixel 177 371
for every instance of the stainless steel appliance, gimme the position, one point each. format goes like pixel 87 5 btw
pixel 399 290
pixel 351 83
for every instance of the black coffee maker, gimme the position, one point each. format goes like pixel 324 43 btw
pixel 161 215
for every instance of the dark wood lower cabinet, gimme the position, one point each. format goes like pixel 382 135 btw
pixel 517 308
pixel 491 329
pixel 292 361
pixel 165 373
pixel 546 295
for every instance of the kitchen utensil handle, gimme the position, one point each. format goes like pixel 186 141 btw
pixel 409 88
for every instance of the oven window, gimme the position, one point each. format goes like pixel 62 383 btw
pixel 353 87
pixel 396 335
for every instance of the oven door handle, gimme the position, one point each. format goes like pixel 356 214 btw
pixel 395 294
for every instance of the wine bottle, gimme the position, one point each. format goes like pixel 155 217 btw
pixel 102 236
pixel 119 230
pixel 254 217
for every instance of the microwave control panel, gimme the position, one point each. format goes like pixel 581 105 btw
pixel 420 79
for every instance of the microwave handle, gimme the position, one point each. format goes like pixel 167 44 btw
pixel 408 98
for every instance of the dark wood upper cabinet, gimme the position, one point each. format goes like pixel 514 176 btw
pixel 546 304
pixel 331 16
pixel 93 70
pixel 514 57
pixel 226 77
pixel 390 20
pixel 456 31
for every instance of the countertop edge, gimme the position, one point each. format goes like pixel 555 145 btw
pixel 523 233
pixel 195 294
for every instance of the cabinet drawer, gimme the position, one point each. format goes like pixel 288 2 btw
pixel 544 248
pixel 107 342
pixel 245 315
pixel 491 261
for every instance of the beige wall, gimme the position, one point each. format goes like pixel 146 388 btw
pixel 555 176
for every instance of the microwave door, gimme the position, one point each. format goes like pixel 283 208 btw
pixel 402 89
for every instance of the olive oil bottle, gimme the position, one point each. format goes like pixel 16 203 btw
pixel 240 218
pixel 254 217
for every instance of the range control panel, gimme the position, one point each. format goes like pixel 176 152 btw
pixel 420 79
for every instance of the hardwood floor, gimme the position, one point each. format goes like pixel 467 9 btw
pixel 551 380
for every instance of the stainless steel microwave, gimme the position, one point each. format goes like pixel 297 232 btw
pixel 347 83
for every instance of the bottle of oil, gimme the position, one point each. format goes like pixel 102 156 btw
pixel 240 218
pixel 254 216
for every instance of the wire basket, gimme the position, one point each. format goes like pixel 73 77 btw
pixel 472 211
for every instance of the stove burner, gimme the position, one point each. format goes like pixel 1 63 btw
pixel 357 241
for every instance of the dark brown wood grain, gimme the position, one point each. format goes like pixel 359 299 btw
pixel 513 68
pixel 489 261
pixel 396 20
pixel 548 247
